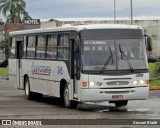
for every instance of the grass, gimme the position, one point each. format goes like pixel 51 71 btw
pixel 3 71
pixel 154 81
pixel 151 67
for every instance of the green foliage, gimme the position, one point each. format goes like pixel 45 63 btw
pixel 151 67
pixel 3 71
pixel 156 72
pixel 14 10
pixel 4 46
pixel 154 82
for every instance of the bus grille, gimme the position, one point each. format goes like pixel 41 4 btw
pixel 118 83
pixel 117 92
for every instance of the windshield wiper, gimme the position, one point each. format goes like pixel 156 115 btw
pixel 124 56
pixel 107 61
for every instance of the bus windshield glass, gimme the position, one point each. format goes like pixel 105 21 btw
pixel 114 55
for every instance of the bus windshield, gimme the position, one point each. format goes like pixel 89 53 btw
pixel 114 55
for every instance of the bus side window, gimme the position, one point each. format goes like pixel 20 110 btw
pixel 31 41
pixel 25 47
pixel 51 52
pixel 12 47
pixel 63 47
pixel 40 47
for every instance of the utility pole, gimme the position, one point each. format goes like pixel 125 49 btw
pixel 131 12
pixel 114 11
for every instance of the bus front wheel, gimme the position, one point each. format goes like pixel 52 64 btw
pixel 67 102
pixel 121 103
pixel 28 93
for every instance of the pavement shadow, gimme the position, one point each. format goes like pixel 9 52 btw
pixel 47 100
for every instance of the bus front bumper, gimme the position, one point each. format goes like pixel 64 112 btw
pixel 138 93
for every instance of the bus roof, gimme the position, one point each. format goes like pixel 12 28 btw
pixel 75 28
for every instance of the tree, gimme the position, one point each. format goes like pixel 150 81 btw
pixel 14 10
pixel 4 45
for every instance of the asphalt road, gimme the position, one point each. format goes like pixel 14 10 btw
pixel 14 105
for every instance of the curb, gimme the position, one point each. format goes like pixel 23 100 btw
pixel 154 87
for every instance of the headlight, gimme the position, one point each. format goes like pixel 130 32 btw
pixel 93 84
pixel 139 82
pixel 135 82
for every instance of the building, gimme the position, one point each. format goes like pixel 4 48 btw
pixel 5 28
pixel 151 26
pixel 141 21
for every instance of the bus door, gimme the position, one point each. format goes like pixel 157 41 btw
pixel 19 55
pixel 76 67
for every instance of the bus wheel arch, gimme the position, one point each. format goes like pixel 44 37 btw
pixel 62 84
pixel 64 95
pixel 28 93
pixel 25 77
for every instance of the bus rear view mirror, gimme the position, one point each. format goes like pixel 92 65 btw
pixel 76 46
pixel 149 43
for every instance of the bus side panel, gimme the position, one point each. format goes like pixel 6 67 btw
pixel 51 81
pixel 27 70
pixel 13 77
pixel 45 76
pixel 51 88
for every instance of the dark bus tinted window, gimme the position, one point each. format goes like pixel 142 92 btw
pixel 31 41
pixel 40 48
pixel 12 47
pixel 51 52
pixel 63 47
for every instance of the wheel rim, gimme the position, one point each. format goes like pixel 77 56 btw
pixel 66 96
pixel 27 89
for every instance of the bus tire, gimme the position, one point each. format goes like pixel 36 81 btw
pixel 28 93
pixel 67 102
pixel 121 103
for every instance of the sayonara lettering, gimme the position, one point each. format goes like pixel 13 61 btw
pixel 41 70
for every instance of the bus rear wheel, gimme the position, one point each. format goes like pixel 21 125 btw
pixel 121 103
pixel 28 93
pixel 67 102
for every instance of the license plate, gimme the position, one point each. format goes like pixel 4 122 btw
pixel 117 96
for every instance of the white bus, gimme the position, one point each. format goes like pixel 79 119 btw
pixel 81 63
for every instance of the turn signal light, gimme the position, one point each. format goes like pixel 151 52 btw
pixel 84 84
pixel 147 81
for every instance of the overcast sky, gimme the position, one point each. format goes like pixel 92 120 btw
pixel 47 9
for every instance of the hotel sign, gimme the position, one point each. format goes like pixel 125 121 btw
pixel 32 22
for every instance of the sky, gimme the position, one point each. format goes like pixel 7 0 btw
pixel 52 9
